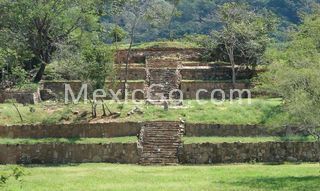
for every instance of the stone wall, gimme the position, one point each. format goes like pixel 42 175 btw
pixel 208 153
pixel 214 73
pixel 111 129
pixel 21 97
pixel 133 74
pixel 139 55
pixel 120 129
pixel 192 73
pixel 190 88
pixel 69 153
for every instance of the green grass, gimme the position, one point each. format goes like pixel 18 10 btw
pixel 189 140
pixel 243 177
pixel 69 140
pixel 261 111
pixel 162 44
pixel 133 139
pixel 28 87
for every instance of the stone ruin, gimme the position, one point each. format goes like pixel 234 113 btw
pixel 162 78
pixel 171 68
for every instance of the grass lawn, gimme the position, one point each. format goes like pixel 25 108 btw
pixel 70 140
pixel 133 139
pixel 243 177
pixel 261 111
pixel 189 140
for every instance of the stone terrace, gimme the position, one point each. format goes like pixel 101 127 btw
pixel 173 68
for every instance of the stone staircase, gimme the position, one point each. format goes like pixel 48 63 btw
pixel 160 81
pixel 160 143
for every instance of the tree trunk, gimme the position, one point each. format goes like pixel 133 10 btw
pixel 126 71
pixel 128 57
pixel 233 75
pixel 17 109
pixel 233 65
pixel 40 73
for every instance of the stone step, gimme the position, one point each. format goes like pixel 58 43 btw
pixel 160 143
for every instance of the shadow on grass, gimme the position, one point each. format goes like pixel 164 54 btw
pixel 270 113
pixel 50 165
pixel 308 183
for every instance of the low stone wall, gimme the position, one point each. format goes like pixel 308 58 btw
pixel 111 129
pixel 207 130
pixel 193 73
pixel 139 55
pixel 208 153
pixel 133 74
pixel 217 72
pixel 69 153
pixel 190 89
pixel 120 129
pixel 21 97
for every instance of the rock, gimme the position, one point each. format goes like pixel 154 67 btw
pixel 116 115
pixel 135 110
pixel 32 109
pixel 166 105
pixel 292 159
pixel 47 94
pixel 84 114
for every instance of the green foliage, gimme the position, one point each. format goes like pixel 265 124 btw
pixel 98 66
pixel 41 26
pixel 15 172
pixel 243 36
pixel 180 43
pixel 140 17
pixel 117 34
pixel 196 17
pixel 12 72
pixel 293 73
pixel 27 87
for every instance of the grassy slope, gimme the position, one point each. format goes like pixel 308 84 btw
pixel 244 177
pixel 260 111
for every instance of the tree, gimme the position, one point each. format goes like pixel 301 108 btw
pixel 243 36
pixel 92 64
pixel 174 12
pixel 98 65
pixel 42 25
pixel 138 12
pixel 293 74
